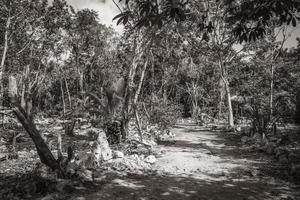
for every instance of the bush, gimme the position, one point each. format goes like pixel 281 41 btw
pixel 165 114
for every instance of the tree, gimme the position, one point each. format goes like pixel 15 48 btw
pixel 248 19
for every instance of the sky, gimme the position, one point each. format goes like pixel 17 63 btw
pixel 107 10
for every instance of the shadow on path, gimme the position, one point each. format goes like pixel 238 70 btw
pixel 202 165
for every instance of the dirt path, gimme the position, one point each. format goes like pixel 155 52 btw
pixel 203 165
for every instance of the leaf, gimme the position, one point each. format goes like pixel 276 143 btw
pixel 125 20
pixel 294 22
pixel 120 20
pixel 118 16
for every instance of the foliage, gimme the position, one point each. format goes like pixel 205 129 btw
pixel 248 19
pixel 165 114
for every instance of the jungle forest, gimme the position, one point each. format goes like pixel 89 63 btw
pixel 185 99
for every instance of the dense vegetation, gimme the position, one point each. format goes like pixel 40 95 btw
pixel 212 61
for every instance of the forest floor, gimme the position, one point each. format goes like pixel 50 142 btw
pixel 205 165
pixel 198 163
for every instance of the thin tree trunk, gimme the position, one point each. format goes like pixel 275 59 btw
pixel 68 93
pixel 228 95
pixel 138 90
pixel 128 97
pixel 297 114
pixel 136 96
pixel 63 97
pixel 271 90
pixel 2 69
pixel 221 98
pixel 230 111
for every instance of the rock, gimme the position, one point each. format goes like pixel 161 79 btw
pixel 254 172
pixel 238 129
pixel 86 126
pixel 45 172
pixel 244 139
pixel 64 186
pixel 283 158
pixel 292 156
pixel 150 159
pixel 50 197
pixel 86 175
pixel 295 170
pixel 118 154
pixel 80 198
pixel 100 148
pixel 57 128
pixel 270 148
pixel 150 143
pixel 257 137
pixel 171 134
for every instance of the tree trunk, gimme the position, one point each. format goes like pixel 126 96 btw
pixel 43 151
pixel 228 95
pixel 2 69
pixel 221 85
pixel 297 114
pixel 136 96
pixel 230 111
pixel 68 93
pixel 63 97
pixel 271 91
pixel 128 97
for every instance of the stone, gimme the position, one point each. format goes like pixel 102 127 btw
pixel 270 148
pixel 150 159
pixel 64 185
pixel 118 154
pixel 254 172
pixel 50 197
pixel 45 172
pixel 257 137
pixel 244 139
pixel 100 148
pixel 238 129
pixel 86 175
pixel 171 134
pixel 283 158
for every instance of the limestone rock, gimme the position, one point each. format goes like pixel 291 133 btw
pixel 86 174
pixel 118 154
pixel 244 139
pixel 283 158
pixel 238 129
pixel 100 148
pixel 270 148
pixel 150 159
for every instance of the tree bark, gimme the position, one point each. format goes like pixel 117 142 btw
pixel 230 111
pixel 228 95
pixel 128 97
pixel 297 114
pixel 136 96
pixel 2 69
pixel 43 151
pixel 271 91
pixel 68 93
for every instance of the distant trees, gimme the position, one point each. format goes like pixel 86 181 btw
pixel 47 49
pixel 172 54
pixel 220 23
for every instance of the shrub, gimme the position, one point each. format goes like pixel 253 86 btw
pixel 165 114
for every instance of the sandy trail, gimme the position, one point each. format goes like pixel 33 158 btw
pixel 203 165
